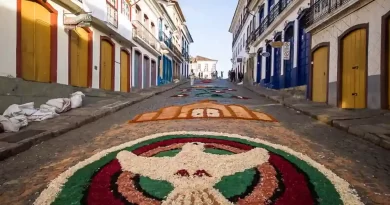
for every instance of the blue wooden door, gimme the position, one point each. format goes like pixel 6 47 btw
pixel 303 55
pixel 268 65
pixel 288 64
pixel 277 66
pixel 259 64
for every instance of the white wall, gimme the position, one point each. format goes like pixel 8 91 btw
pixel 372 14
pixel 99 10
pixel 8 38
pixel 202 68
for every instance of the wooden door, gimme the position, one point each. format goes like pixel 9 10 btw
pixel 79 57
pixel 35 41
pixel 106 65
pixel 125 75
pixel 154 73
pixel 354 76
pixel 320 74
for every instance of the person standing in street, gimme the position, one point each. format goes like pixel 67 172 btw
pixel 192 77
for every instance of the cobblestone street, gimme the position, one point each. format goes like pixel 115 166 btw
pixel 365 166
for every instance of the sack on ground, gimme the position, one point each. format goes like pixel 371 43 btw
pixel 13 124
pixel 76 99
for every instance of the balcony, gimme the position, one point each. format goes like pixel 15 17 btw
pixel 323 10
pixel 265 23
pixel 164 38
pixel 144 37
pixel 242 24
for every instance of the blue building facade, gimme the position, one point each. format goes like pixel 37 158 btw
pixel 272 70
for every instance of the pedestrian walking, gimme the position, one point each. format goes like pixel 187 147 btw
pixel 192 77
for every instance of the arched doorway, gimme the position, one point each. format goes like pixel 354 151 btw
pixel 107 59
pixel 80 57
pixel 320 72
pixel 36 55
pixel 259 65
pixel 146 71
pixel 137 69
pixel 268 60
pixel 277 63
pixel 288 64
pixel 125 70
pixel 352 73
pixel 303 53
pixel 154 73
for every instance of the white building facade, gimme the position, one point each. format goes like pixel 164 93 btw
pixel 350 44
pixel 203 67
pixel 117 48
pixel 240 27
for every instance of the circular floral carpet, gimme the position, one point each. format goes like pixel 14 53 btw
pixel 198 168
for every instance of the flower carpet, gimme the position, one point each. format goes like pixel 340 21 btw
pixel 209 92
pixel 198 168
pixel 203 109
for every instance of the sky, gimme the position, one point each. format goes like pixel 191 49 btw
pixel 209 22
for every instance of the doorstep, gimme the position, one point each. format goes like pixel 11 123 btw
pixel 371 125
pixel 36 132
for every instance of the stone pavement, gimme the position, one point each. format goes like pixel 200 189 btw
pixel 36 132
pixel 365 166
pixel 371 125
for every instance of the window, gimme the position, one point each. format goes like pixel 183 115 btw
pixel 112 12
pixel 146 20
pixel 214 67
pixel 152 28
pixel 125 8
pixel 137 13
pixel 199 67
pixel 206 67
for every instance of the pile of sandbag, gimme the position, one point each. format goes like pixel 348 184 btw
pixel 17 116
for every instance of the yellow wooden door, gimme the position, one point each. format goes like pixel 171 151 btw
pixel 388 62
pixel 320 75
pixel 79 57
pixel 354 66
pixel 124 72
pixel 106 65
pixel 35 42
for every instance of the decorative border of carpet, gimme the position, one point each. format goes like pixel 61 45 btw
pixel 204 168
pixel 204 109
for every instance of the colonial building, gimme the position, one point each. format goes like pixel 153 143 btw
pixel 350 53
pixel 240 28
pixel 203 67
pixel 104 44
pixel 277 45
pixel 176 37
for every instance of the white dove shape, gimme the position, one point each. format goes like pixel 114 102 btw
pixel 192 172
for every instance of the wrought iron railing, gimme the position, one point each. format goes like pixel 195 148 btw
pixel 321 8
pixel 143 33
pixel 242 23
pixel 276 10
pixel 163 37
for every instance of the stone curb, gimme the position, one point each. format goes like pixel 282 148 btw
pixel 337 123
pixel 21 146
